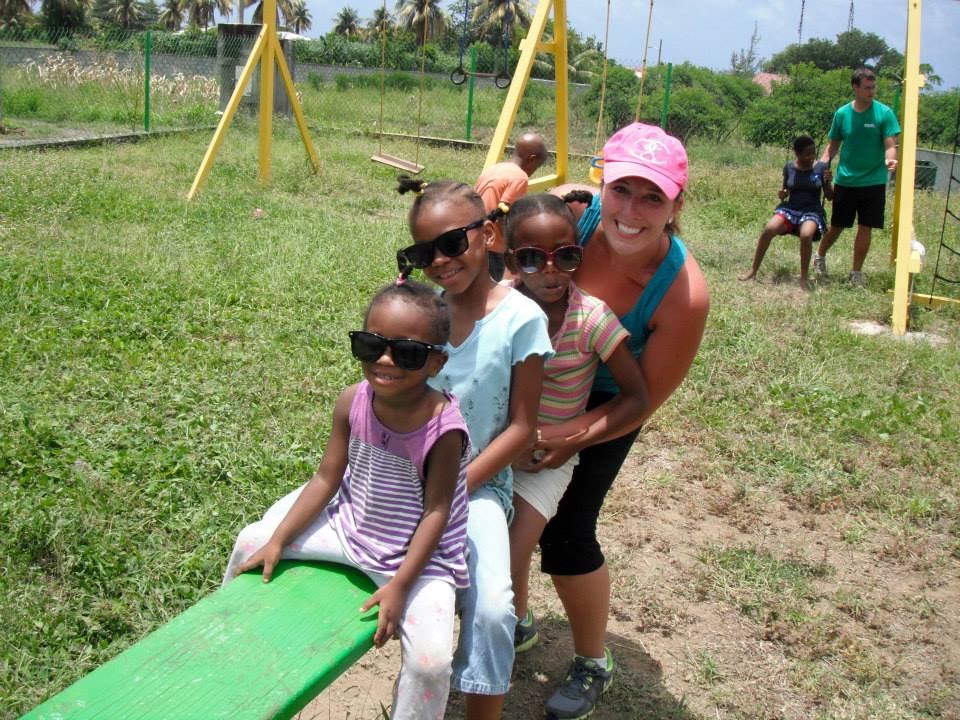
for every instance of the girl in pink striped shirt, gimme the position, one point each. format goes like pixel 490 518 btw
pixel 542 237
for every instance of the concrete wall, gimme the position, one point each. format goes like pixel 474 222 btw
pixel 943 161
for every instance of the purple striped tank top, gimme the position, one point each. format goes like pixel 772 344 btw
pixel 380 502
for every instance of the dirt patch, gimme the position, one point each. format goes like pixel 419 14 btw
pixel 734 606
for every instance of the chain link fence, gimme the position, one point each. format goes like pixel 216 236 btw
pixel 68 87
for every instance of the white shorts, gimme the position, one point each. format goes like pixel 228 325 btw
pixel 543 490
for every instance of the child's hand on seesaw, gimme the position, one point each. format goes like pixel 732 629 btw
pixel 827 175
pixel 268 556
pixel 391 600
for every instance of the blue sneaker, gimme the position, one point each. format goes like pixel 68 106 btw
pixel 526 635
pixel 577 697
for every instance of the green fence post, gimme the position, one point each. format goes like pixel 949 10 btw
pixel 146 86
pixel 666 97
pixel 473 67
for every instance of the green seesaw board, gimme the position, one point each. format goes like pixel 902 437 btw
pixel 249 650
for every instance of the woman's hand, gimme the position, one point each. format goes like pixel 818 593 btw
pixel 391 598
pixel 549 451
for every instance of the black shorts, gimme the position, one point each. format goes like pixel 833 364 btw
pixel 866 204
pixel 569 544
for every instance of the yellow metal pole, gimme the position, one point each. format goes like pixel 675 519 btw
pixel 906 169
pixel 266 87
pixel 228 114
pixel 529 47
pixel 297 110
pixel 561 84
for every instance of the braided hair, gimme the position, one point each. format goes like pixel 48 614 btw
pixel 429 193
pixel 425 298
pixel 530 205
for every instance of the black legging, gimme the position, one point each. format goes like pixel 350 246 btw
pixel 569 542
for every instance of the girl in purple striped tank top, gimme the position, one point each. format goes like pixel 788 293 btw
pixel 390 495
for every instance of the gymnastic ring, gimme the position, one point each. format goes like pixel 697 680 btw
pixel 458 76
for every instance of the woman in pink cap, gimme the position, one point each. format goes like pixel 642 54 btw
pixel 634 261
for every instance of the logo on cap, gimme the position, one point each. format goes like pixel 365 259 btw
pixel 650 151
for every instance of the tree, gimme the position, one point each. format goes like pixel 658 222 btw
pixel 14 12
pixel 378 24
pixel 852 49
pixel 491 17
pixel 126 13
pixel 64 14
pixel 284 9
pixel 172 14
pixel 746 62
pixel 803 105
pixel 200 12
pixel 299 18
pixel 347 22
pixel 413 14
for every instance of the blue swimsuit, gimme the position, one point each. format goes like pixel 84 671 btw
pixel 637 319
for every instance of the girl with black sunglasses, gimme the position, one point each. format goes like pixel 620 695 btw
pixel 542 250
pixel 390 495
pixel 498 343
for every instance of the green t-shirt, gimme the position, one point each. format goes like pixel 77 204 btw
pixel 862 135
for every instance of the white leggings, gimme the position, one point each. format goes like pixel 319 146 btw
pixel 426 630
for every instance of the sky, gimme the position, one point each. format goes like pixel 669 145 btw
pixel 707 32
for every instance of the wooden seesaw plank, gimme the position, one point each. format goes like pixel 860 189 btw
pixel 249 650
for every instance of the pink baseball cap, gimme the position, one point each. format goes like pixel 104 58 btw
pixel 646 151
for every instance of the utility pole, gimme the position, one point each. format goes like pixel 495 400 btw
pixel 850 18
pixel 803 4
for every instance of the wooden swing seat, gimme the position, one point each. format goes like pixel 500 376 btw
pixel 399 163
pixel 250 650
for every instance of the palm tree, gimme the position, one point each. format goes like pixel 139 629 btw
pixel 581 68
pixel 125 12
pixel 347 22
pixel 379 23
pixel 299 18
pixel 171 17
pixel 13 12
pixel 489 16
pixel 65 14
pixel 412 14
pixel 284 10
pixel 200 12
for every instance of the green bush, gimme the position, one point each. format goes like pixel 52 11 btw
pixel 938 119
pixel 314 80
pixel 803 105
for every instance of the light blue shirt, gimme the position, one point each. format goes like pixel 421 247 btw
pixel 478 372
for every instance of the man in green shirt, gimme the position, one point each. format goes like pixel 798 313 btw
pixel 864 132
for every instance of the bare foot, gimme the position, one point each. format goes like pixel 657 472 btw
pixel 749 276
pixel 805 284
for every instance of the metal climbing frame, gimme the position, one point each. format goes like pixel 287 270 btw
pixel 268 54
pixel 529 47
pixel 908 261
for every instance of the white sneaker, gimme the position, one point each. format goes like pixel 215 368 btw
pixel 820 264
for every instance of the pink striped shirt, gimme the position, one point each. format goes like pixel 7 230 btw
pixel 590 333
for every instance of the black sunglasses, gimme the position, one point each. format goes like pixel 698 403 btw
pixel 451 243
pixel 407 354
pixel 533 259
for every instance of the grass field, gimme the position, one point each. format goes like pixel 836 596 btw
pixel 167 370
